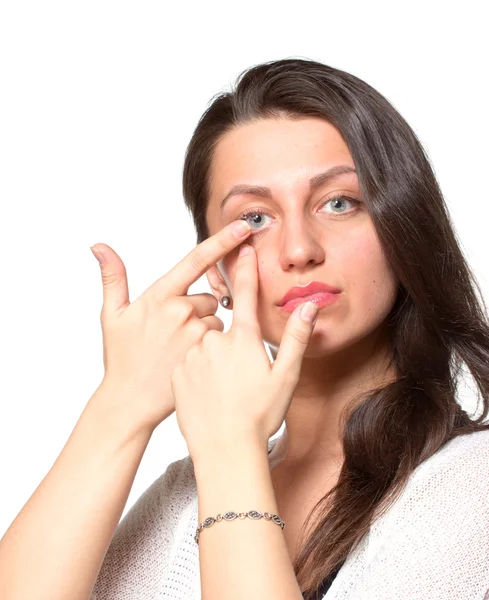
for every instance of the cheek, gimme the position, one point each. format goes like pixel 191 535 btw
pixel 370 282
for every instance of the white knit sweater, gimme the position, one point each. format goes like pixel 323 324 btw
pixel 432 544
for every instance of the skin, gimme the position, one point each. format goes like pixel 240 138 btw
pixel 302 239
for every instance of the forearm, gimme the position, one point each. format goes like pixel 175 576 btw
pixel 243 558
pixel 55 547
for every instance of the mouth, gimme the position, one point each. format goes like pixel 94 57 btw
pixel 321 299
pixel 318 292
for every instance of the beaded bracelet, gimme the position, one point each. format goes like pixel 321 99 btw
pixel 230 516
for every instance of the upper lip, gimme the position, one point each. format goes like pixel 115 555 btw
pixel 313 287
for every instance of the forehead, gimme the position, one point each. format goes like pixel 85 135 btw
pixel 275 153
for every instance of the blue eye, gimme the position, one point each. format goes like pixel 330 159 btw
pixel 258 214
pixel 257 217
pixel 339 198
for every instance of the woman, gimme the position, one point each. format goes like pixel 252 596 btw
pixel 379 476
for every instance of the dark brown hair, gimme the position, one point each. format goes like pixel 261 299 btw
pixel 438 322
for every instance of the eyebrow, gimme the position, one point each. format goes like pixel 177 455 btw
pixel 265 192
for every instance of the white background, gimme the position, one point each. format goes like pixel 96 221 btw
pixel 98 102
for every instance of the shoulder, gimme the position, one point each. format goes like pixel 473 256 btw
pixel 463 448
pixel 464 458
pixel 451 483
pixel 432 540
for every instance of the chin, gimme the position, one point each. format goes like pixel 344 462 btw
pixel 320 344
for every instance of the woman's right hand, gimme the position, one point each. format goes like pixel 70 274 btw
pixel 145 339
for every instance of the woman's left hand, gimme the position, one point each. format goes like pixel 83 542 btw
pixel 226 386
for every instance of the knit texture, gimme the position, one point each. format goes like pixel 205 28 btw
pixel 432 543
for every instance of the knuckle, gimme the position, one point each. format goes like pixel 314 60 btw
pixel 221 242
pixel 301 336
pixel 213 322
pixel 178 309
pixel 197 329
pixel 213 300
pixel 213 335
pixel 103 314
pixel 110 278
pixel 106 317
pixel 210 337
pixel 219 325
pixel 197 262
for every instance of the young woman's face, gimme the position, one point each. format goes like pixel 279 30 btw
pixel 298 234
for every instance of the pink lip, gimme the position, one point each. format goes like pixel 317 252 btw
pixel 312 288
pixel 321 299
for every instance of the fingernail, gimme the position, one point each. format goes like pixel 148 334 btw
pixel 309 312
pixel 241 229
pixel 98 255
pixel 244 249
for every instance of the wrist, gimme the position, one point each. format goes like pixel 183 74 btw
pixel 117 414
pixel 231 449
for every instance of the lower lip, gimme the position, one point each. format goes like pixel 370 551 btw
pixel 321 300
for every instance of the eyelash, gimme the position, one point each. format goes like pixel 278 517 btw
pixel 252 212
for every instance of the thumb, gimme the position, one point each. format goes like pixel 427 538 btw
pixel 114 278
pixel 295 340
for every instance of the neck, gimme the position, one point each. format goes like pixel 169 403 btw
pixel 313 425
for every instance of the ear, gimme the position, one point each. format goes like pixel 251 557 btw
pixel 217 283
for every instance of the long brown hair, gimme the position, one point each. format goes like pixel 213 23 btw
pixel 438 322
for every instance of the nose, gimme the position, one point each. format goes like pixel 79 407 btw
pixel 300 245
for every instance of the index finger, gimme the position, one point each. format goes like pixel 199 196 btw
pixel 202 257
